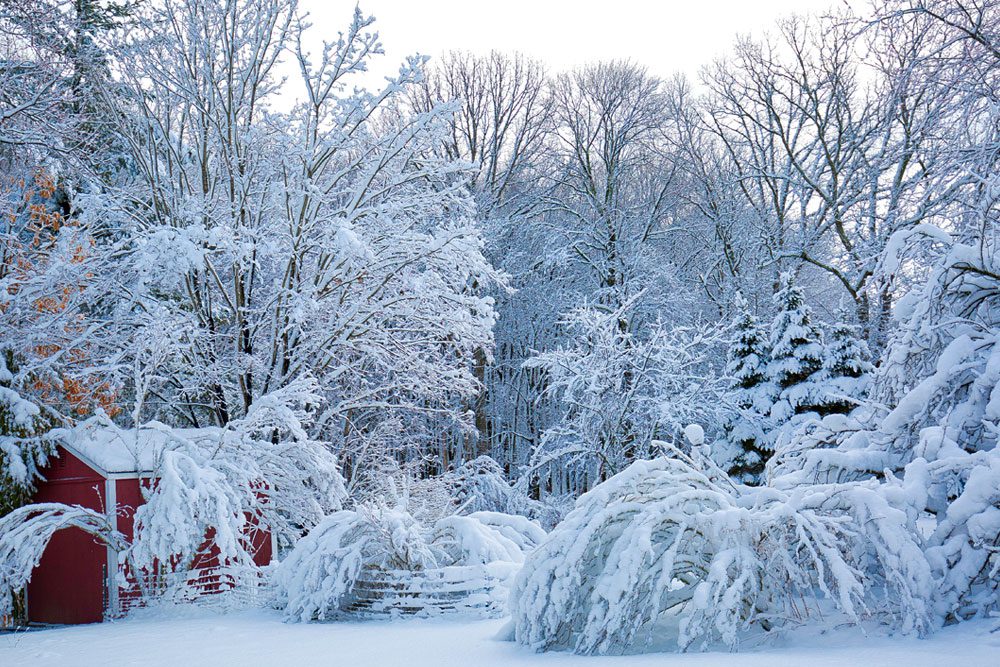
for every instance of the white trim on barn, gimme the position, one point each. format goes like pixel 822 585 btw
pixel 83 457
pixel 111 568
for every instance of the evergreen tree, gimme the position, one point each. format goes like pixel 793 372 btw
pixel 24 447
pixel 796 357
pixel 751 395
pixel 845 372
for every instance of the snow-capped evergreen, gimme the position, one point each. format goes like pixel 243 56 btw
pixel 796 358
pixel 751 395
pixel 24 446
pixel 796 350
pixel 844 378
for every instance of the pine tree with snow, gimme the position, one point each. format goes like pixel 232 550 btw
pixel 796 353
pixel 751 395
pixel 24 447
pixel 844 377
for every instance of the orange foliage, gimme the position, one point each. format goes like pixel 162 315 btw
pixel 24 255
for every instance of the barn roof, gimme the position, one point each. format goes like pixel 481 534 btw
pixel 113 451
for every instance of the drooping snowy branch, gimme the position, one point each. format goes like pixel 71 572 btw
pixel 662 538
pixel 25 532
pixel 321 571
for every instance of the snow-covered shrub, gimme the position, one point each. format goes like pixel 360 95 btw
pixel 324 565
pixel 964 550
pixel 25 532
pixel 192 498
pixel 663 538
pixel 480 486
pixel 485 537
pixel 262 470
pixel 321 571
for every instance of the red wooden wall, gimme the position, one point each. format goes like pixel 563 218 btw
pixel 69 584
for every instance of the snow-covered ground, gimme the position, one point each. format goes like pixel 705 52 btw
pixel 261 638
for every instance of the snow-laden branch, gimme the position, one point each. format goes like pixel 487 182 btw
pixel 662 538
pixel 25 532
pixel 319 574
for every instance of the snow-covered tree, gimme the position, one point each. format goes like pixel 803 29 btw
pixel 618 392
pixel 846 370
pixel 263 470
pixel 943 430
pixel 796 346
pixel 332 240
pixel 796 356
pixel 54 362
pixel 751 394
pixel 24 445
pixel 663 538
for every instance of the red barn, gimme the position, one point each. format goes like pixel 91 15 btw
pixel 101 469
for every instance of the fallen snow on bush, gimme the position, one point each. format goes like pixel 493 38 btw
pixel 662 538
pixel 317 577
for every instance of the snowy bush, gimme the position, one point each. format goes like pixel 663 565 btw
pixel 25 532
pixel 964 550
pixel 318 575
pixel 663 538
pixel 934 425
pixel 485 537
pixel 262 470
pixel 480 486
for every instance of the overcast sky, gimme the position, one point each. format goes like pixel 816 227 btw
pixel 666 36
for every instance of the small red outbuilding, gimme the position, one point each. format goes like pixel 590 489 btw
pixel 101 469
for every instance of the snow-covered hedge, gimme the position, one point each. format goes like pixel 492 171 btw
pixel 661 537
pixel 316 577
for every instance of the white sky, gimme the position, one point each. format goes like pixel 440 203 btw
pixel 666 36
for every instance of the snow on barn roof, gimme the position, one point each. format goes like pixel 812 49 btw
pixel 113 450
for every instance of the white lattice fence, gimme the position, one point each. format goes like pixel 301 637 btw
pixel 223 587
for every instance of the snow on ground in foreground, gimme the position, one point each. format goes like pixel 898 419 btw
pixel 261 638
